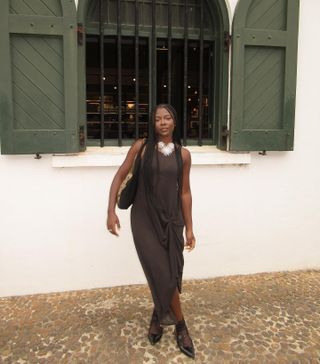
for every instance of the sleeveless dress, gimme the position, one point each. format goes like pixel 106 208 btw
pixel 158 234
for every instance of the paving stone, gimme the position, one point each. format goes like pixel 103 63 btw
pixel 259 318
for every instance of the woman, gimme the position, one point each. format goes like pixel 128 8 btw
pixel 161 209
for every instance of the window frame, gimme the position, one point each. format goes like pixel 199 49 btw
pixel 219 15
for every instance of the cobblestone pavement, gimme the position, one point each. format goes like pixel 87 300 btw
pixel 259 318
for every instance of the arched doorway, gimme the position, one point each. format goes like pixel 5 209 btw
pixel 137 53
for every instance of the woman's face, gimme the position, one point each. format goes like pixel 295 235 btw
pixel 164 123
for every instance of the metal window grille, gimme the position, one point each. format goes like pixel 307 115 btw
pixel 144 52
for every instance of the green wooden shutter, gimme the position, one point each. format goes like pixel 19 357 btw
pixel 38 91
pixel 263 75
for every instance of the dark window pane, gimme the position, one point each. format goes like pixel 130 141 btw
pixel 162 71
pixel 129 95
pixel 111 88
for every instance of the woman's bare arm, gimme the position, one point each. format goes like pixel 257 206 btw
pixel 112 220
pixel 186 199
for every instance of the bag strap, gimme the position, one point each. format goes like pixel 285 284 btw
pixel 141 148
pixel 138 157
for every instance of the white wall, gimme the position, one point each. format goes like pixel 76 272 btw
pixel 261 217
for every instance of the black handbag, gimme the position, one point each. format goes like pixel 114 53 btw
pixel 128 189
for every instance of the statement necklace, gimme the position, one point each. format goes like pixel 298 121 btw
pixel 165 149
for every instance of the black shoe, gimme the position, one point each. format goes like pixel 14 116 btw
pixel 155 330
pixel 184 340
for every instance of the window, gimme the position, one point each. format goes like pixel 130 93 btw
pixel 57 61
pixel 147 52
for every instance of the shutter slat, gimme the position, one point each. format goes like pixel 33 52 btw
pixel 44 113
pixel 38 7
pixel 32 51
pixel 268 15
pixel 49 82
pixel 21 7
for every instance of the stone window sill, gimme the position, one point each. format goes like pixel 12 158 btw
pixel 114 156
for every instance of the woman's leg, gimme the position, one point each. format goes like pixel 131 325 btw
pixel 155 329
pixel 176 305
pixel 184 340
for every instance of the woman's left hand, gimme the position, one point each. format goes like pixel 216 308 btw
pixel 190 241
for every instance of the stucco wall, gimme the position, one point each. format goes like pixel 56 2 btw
pixel 259 217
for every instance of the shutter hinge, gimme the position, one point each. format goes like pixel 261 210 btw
pixel 81 136
pixel 224 131
pixel 227 41
pixel 80 33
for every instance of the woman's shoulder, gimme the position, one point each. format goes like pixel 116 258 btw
pixel 184 150
pixel 185 153
pixel 140 141
pixel 137 144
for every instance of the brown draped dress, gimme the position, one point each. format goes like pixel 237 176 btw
pixel 158 233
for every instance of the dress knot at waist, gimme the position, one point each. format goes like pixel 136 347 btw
pixel 170 224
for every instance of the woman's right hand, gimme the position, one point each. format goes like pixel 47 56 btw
pixel 113 223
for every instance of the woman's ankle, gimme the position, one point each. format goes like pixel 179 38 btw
pixel 181 323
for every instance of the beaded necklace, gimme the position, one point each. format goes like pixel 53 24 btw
pixel 165 149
